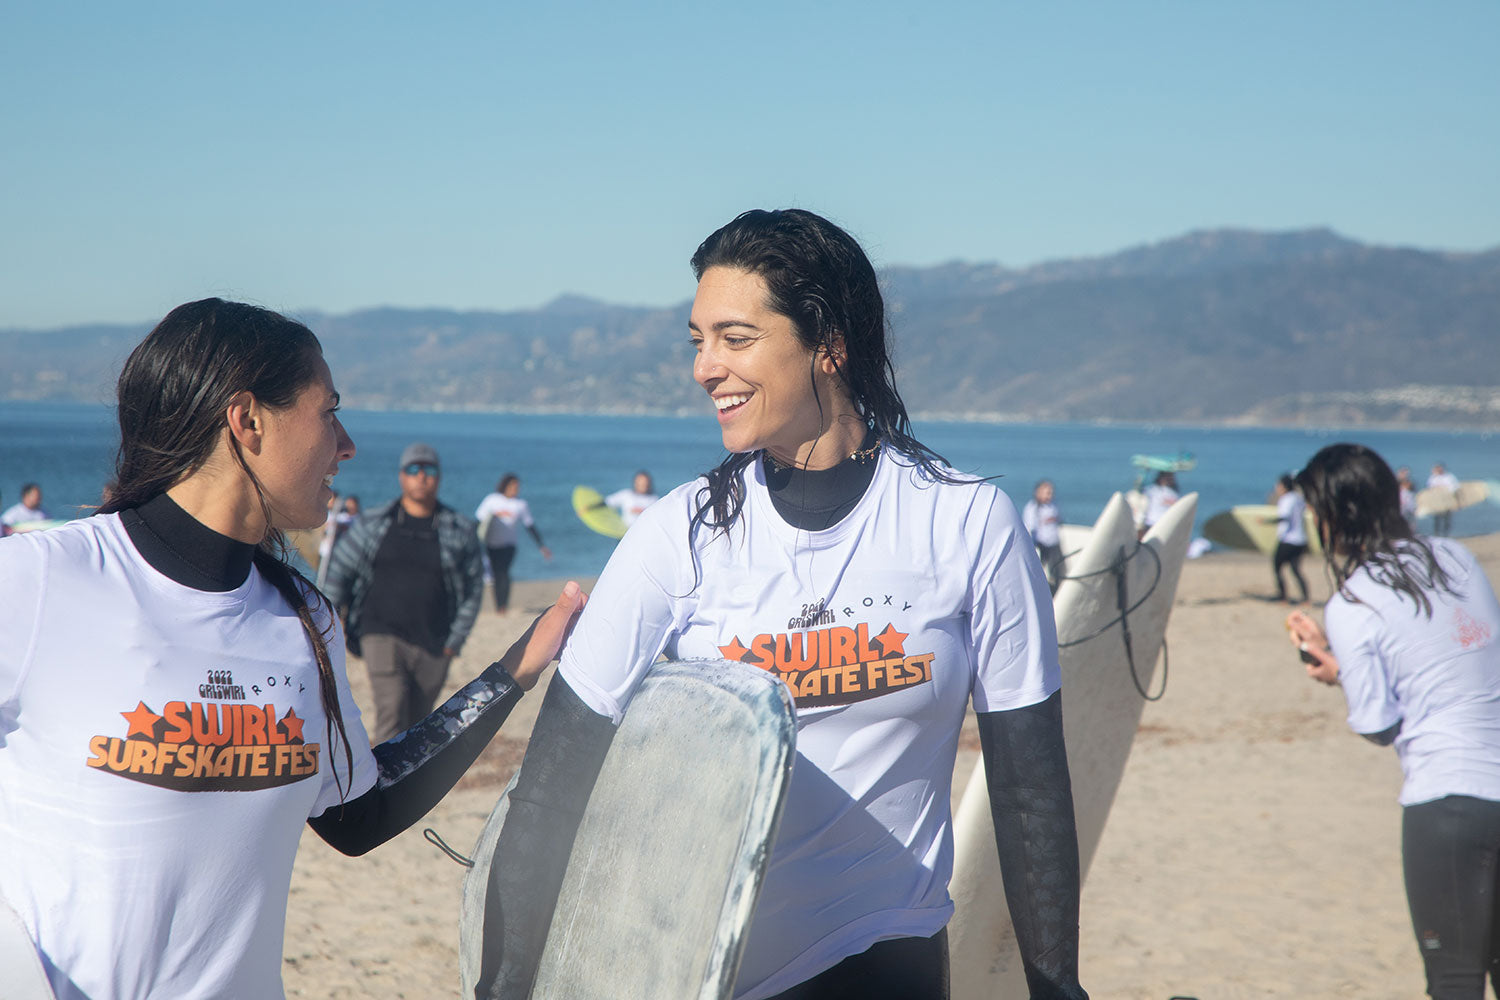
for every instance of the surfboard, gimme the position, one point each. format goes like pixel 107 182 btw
pixel 1436 500
pixel 21 974
pixel 1164 463
pixel 1252 527
pixel 591 509
pixel 670 854
pixel 1101 712
pixel 43 525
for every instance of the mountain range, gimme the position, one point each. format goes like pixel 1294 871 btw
pixel 1237 326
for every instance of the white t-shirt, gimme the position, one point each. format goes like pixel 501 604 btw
pixel 1158 499
pixel 1444 480
pixel 884 627
pixel 1438 677
pixel 19 513
pixel 160 750
pixel 1291 526
pixel 630 504
pixel 1042 520
pixel 504 514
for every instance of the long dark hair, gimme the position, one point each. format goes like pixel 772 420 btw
pixel 1357 501
pixel 817 276
pixel 173 394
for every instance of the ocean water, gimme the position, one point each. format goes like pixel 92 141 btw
pixel 69 450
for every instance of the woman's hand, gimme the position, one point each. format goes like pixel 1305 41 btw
pixel 1310 640
pixel 540 644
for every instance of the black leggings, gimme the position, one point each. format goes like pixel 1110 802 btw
pixel 1450 849
pixel 899 969
pixel 500 560
pixel 1290 556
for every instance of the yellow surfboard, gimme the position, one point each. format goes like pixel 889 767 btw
pixel 591 509
pixel 1253 527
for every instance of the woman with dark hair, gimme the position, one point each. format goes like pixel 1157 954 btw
pixel 1413 638
pixel 499 515
pixel 173 702
pixel 888 591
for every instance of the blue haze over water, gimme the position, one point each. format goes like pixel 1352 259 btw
pixel 69 450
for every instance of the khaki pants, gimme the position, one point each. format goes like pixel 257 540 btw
pixel 405 681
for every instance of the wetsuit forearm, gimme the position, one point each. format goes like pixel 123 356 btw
pixel 1031 801
pixel 419 766
pixel 562 763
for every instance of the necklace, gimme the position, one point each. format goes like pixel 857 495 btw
pixel 860 455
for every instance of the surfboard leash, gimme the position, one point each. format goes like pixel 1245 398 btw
pixel 435 839
pixel 1122 603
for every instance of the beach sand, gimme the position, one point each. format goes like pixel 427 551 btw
pixel 1254 848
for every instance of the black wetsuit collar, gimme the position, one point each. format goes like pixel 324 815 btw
pixel 184 549
pixel 817 499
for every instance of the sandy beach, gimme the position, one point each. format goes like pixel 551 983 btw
pixel 1253 849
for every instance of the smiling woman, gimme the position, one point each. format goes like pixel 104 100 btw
pixel 887 591
pixel 160 653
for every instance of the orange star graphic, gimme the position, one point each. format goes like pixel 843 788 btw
pixel 293 725
pixel 142 721
pixel 734 651
pixel 892 641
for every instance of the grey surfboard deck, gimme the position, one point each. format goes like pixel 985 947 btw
pixel 670 854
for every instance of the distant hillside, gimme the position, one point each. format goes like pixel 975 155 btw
pixel 1223 325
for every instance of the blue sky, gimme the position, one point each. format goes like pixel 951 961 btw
pixel 333 156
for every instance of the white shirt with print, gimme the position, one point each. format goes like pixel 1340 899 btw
pixel 161 749
pixel 884 627
pixel 504 517
pixel 1439 677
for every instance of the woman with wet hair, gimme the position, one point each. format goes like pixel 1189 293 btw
pixel 888 592
pixel 173 701
pixel 1413 638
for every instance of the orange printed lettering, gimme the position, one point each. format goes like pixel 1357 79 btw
pixel 100 747
pixel 176 714
pixel 841 642
pixel 762 651
pixel 252 725
pixel 219 735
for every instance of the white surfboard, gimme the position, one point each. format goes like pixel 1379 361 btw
pixel 21 975
pixel 1437 500
pixel 1101 712
pixel 670 854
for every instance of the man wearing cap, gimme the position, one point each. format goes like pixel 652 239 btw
pixel 408 577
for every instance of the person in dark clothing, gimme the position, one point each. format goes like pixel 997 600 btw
pixel 411 576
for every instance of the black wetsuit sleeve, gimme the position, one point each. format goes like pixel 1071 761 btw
pixel 419 766
pixel 562 763
pixel 1385 737
pixel 536 536
pixel 1031 800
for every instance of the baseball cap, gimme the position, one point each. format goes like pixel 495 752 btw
pixel 418 453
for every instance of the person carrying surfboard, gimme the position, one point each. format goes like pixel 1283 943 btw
pixel 1412 636
pixel 28 510
pixel 1442 479
pixel 888 592
pixel 631 503
pixel 160 654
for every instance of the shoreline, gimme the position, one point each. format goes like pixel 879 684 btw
pixel 989 419
pixel 1253 848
